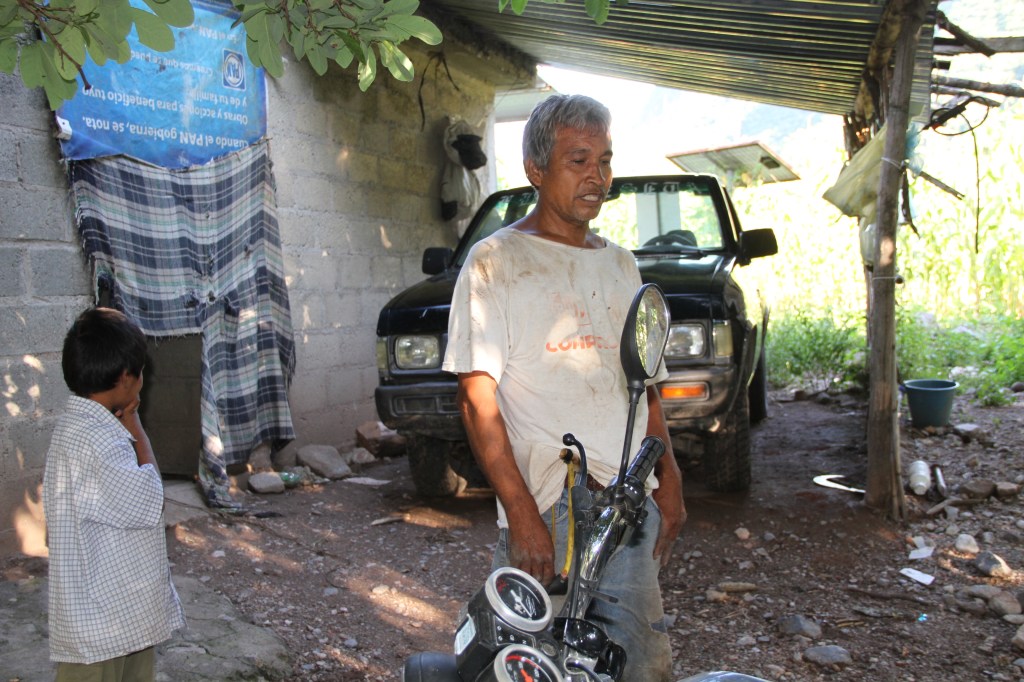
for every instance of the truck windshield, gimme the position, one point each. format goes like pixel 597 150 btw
pixel 646 215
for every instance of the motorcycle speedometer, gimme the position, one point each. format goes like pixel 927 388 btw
pixel 518 663
pixel 518 599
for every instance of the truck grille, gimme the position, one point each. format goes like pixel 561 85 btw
pixel 425 404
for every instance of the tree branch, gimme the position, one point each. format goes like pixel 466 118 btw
pixel 41 16
pixel 977 44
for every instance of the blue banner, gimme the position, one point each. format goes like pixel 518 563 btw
pixel 172 109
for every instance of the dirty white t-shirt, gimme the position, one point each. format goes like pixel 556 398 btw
pixel 544 320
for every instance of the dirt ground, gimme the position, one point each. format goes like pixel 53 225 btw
pixel 356 575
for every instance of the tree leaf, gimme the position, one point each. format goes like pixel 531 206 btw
pixel 296 39
pixel 123 17
pixel 115 18
pixel 404 7
pixel 175 12
pixel 56 86
pixel 100 45
pixel 8 11
pixel 414 27
pixel 153 31
pixel 8 55
pixel 367 70
pixel 518 6
pixel 252 50
pixel 256 27
pixel 72 42
pixel 397 63
pixel 315 55
pixel 275 26
pixel 270 56
pixel 31 65
pixel 85 7
pixel 597 10
pixel 248 14
pixel 343 57
pixel 353 46
pixel 124 52
pixel 337 22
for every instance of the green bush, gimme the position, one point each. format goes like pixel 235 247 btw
pixel 825 352
pixel 926 349
pixel 1003 359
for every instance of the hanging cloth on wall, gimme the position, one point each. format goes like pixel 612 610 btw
pixel 199 251
pixel 460 188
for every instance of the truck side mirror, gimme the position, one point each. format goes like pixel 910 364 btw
pixel 436 259
pixel 757 243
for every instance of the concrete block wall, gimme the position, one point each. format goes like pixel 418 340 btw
pixel 43 286
pixel 358 188
pixel 359 199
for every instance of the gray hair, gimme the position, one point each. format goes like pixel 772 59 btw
pixel 578 112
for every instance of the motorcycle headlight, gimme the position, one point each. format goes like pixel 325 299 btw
pixel 417 352
pixel 685 341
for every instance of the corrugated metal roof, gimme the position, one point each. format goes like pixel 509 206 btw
pixel 806 54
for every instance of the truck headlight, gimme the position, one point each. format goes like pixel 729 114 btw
pixel 685 341
pixel 417 352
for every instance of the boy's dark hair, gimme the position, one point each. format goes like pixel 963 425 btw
pixel 101 345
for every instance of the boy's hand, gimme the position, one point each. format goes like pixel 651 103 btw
pixel 129 418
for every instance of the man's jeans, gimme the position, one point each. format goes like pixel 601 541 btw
pixel 636 621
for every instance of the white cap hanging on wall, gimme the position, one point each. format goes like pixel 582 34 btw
pixel 460 188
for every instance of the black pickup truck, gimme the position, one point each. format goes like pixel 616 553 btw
pixel 686 236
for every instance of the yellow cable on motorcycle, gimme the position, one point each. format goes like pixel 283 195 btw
pixel 571 526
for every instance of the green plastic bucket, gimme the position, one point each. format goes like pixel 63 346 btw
pixel 930 401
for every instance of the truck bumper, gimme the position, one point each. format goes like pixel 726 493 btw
pixel 703 411
pixel 428 409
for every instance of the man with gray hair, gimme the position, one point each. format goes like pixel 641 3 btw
pixel 533 336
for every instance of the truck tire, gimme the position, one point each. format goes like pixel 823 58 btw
pixel 759 392
pixel 431 468
pixel 726 457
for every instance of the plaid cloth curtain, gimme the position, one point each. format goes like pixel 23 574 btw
pixel 199 251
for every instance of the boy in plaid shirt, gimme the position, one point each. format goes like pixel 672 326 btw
pixel 111 596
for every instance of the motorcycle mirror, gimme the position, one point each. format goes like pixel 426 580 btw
pixel 644 336
pixel 640 350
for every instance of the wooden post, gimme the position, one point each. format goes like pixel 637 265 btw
pixel 884 490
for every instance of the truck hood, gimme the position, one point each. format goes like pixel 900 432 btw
pixel 422 308
pixel 691 283
pixel 694 275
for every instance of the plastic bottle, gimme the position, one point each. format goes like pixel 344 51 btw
pixel 920 477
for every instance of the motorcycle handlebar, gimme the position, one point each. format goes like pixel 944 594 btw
pixel 651 450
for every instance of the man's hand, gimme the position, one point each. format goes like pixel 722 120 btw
pixel 669 493
pixel 669 498
pixel 529 539
pixel 530 548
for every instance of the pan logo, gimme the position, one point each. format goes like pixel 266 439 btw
pixel 233 70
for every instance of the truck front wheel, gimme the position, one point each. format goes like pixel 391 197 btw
pixel 430 466
pixel 726 456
